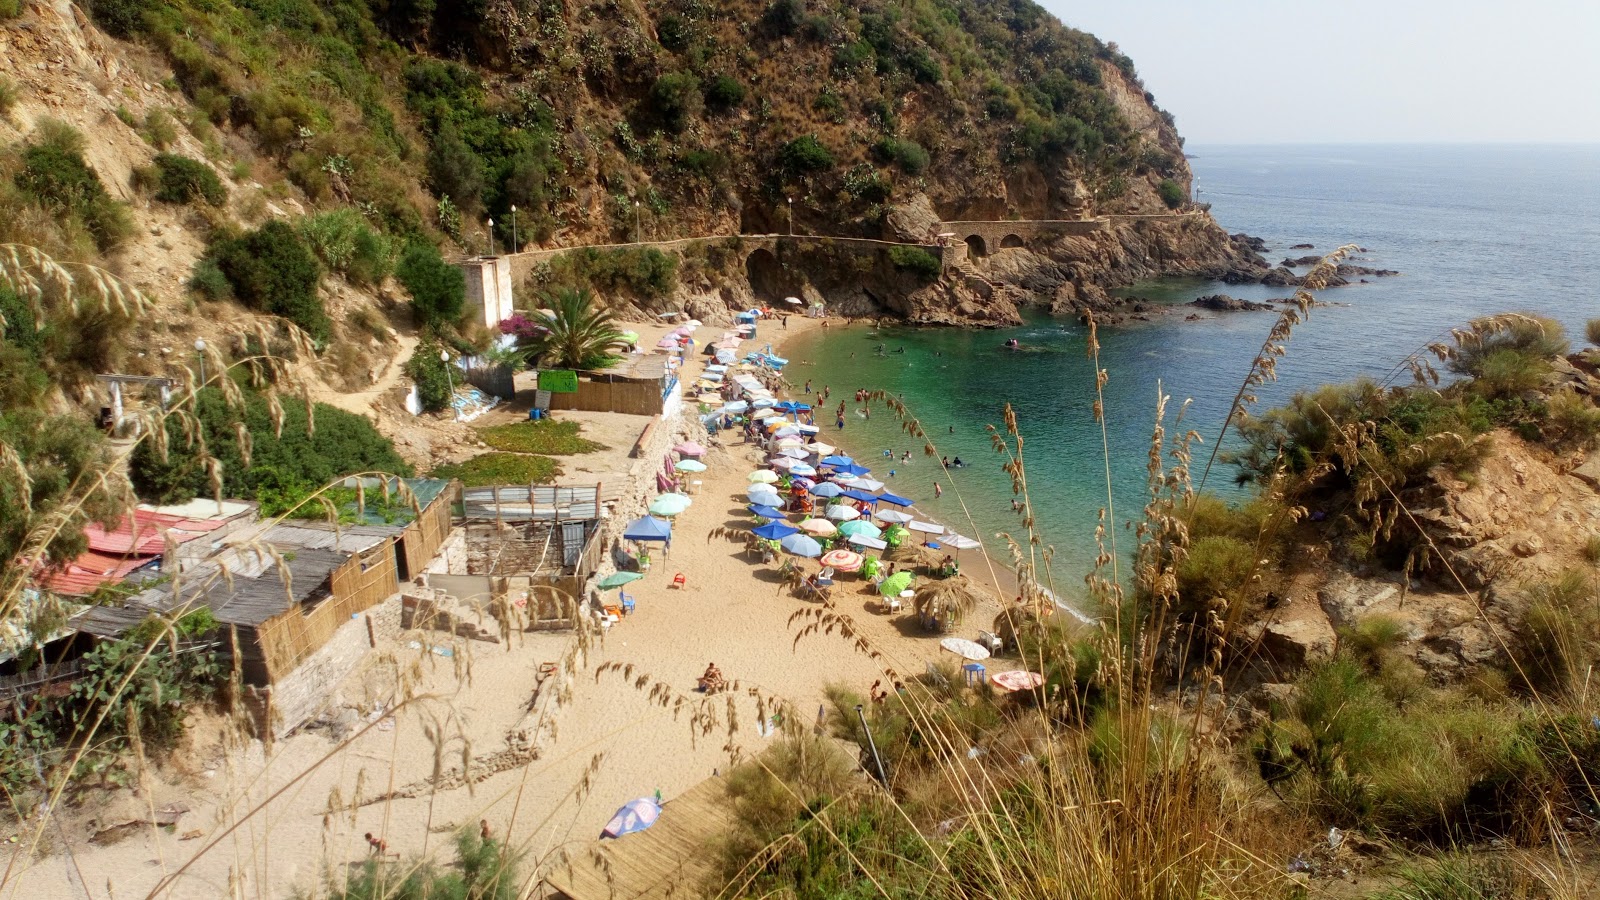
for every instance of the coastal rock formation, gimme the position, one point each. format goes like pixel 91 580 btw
pixel 1226 303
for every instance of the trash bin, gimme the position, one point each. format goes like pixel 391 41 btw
pixel 535 414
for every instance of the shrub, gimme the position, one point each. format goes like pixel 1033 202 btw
pixel 8 95
pixel 455 170
pixel 284 465
pixel 1217 566
pixel 60 455
pixel 675 99
pixel 346 243
pixel 642 271
pixel 501 468
pixel 1506 351
pixel 784 17
pixel 55 175
pixel 917 261
pixel 548 436
pixel 180 179
pixel 907 154
pixel 1171 193
pixel 209 282
pixel 438 289
pixel 10 9
pixel 1591 328
pixel 1560 633
pixel 122 18
pixel 434 377
pixel 159 130
pixel 805 155
pixel 271 271
pixel 724 92
pixel 1571 419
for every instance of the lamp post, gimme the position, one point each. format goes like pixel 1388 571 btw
pixel 638 224
pixel 444 357
pixel 515 247
pixel 491 237
pixel 200 349
pixel 790 201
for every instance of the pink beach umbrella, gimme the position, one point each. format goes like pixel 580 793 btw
pixel 843 560
pixel 690 448
pixel 818 527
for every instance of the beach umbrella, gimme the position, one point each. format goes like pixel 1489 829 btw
pixel 725 356
pixel 843 513
pixel 818 527
pixel 736 406
pixel 786 431
pixel 960 542
pixel 789 442
pixel 763 413
pixel 892 516
pixel 667 343
pixel 793 406
pixel 792 301
pixel 965 649
pixel 618 579
pixel 837 461
pixel 895 584
pixel 762 476
pixel 648 528
pixel 820 448
pixel 827 489
pixel 925 527
pixel 800 481
pixel 867 484
pixel 793 453
pixel 774 531
pixel 669 504
pixel 860 527
pixel 629 337
pixel 854 470
pixel 1017 680
pixel 800 545
pixel 690 465
pixel 843 479
pixel 767 512
pixel 860 495
pixel 762 403
pixel 690 448
pixel 764 494
pixel 868 542
pixel 843 560
pixel 635 815
pixel 808 429
pixel 781 462
pixel 896 499
pixel 801 468
pixel 711 376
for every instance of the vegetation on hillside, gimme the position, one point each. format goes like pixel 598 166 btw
pixel 572 334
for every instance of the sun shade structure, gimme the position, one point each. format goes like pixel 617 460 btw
pixel 762 476
pixel 843 560
pixel 800 545
pixel 867 542
pixel 648 528
pixel 618 579
pixel 860 495
pixel 801 468
pixel 690 465
pixel 820 447
pixel 827 489
pixel 894 584
pixel 896 499
pixel 925 527
pixel 690 448
pixel 959 542
pixel 774 531
pixel 764 494
pixel 635 815
pixel 818 527
pixel 843 513
pixel 1017 680
pixel 965 649
pixel 892 516
pixel 766 512
pixel 669 504
pixel 837 461
pixel 860 528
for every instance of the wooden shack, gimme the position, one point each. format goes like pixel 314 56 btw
pixel 638 385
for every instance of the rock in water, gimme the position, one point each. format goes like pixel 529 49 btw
pixel 1226 303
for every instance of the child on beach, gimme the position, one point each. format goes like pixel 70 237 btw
pixel 937 491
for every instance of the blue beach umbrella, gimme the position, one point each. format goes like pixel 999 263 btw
pixel 863 496
pixel 791 406
pixel 635 815
pixel 896 499
pixel 801 468
pixel 827 489
pixel 648 528
pixel 775 531
pixel 860 528
pixel 852 470
pixel 766 512
pixel 837 460
pixel 800 545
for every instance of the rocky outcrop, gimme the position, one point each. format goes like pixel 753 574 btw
pixel 1226 303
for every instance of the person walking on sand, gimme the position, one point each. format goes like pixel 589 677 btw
pixel 937 491
pixel 808 385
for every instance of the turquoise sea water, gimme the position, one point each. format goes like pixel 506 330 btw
pixel 1474 229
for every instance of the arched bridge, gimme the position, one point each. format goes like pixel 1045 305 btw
pixel 986 237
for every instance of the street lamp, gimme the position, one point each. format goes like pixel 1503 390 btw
pixel 790 201
pixel 491 237
pixel 515 247
pixel 444 357
pixel 638 224
pixel 200 348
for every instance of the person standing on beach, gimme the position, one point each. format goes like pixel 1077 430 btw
pixel 840 421
pixel 808 385
pixel 826 392
pixel 937 491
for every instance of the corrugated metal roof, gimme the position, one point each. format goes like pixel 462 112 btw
pixel 426 490
pixel 90 570
pixel 518 504
pixel 321 536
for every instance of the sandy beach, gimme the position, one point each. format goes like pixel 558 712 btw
pixel 626 721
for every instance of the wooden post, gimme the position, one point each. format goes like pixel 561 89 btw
pixel 372 636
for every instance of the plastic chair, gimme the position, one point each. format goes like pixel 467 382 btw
pixel 991 642
pixel 628 603
pixel 976 674
pixel 680 580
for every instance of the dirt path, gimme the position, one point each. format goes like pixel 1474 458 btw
pixel 362 403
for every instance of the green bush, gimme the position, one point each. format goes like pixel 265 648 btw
pixel 159 130
pixel 122 18
pixel 784 17
pixel 346 243
pixel 724 92
pixel 180 179
pixel 1171 193
pixel 438 289
pixel 644 272
pixel 435 378
pixel 61 454
pixel 547 436
pixel 1217 566
pixel 209 282
pixel 284 466
pixel 907 154
pixel 485 870
pixel 805 155
pixel 501 468
pixel 1591 328
pixel 55 175
pixel 675 99
pixel 1507 354
pixel 271 271
pixel 917 261
pixel 9 9
pixel 9 94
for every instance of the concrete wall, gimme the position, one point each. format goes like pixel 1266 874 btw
pixel 488 288
pixel 300 696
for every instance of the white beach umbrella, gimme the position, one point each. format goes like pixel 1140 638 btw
pixel 762 476
pixel 820 448
pixel 893 516
pixel 843 513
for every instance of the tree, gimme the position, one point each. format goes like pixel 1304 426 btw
pixel 438 289
pixel 1171 193
pixel 64 458
pixel 576 337
pixel 273 272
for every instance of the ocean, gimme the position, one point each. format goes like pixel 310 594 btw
pixel 1474 230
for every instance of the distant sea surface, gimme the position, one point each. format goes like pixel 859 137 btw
pixel 1474 230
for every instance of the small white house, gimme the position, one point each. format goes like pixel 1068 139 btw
pixel 488 288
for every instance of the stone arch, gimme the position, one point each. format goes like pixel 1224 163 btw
pixel 1012 240
pixel 976 246
pixel 770 280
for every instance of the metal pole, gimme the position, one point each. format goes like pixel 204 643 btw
pixel 790 201
pixel 638 224
pixel 873 746
pixel 515 247
pixel 491 237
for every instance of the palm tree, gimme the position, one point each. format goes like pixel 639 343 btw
pixel 573 334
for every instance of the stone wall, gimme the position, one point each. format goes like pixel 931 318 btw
pixel 298 697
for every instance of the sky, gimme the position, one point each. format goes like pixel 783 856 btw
pixel 1362 71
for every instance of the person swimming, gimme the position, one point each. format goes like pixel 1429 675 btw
pixel 1012 344
pixel 957 463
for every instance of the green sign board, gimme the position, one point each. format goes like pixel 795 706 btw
pixel 559 381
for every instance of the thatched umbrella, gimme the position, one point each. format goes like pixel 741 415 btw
pixel 1014 622
pixel 951 598
pixel 913 555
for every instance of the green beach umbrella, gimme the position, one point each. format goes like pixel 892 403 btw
pixel 618 579
pixel 669 504
pixel 895 584
pixel 690 465
pixel 860 528
pixel 762 476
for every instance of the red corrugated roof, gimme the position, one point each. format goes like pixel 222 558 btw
pixel 142 532
pixel 91 570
